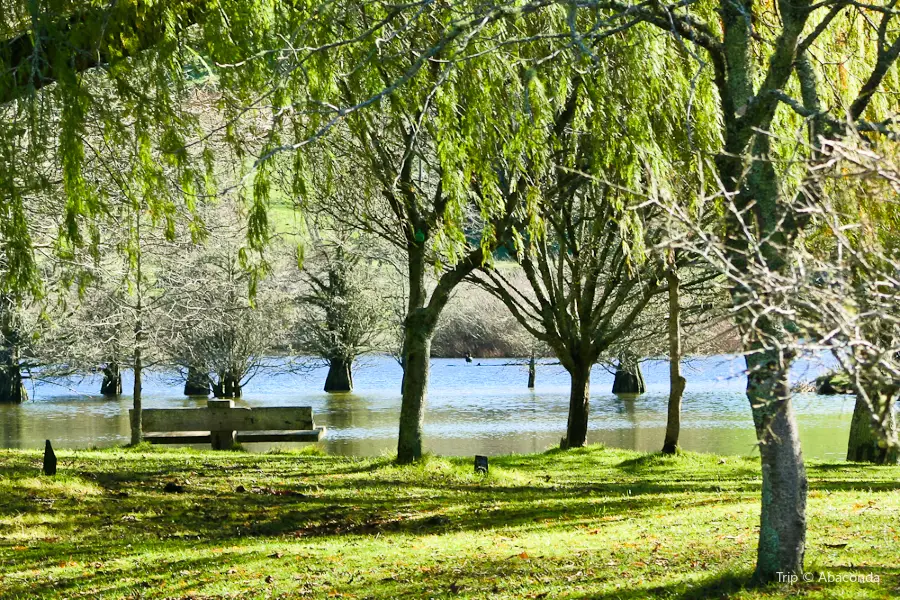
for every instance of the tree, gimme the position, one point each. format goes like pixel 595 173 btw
pixel 440 172
pixel 340 316
pixel 677 382
pixel 758 72
pixel 765 70
pixel 12 388
pixel 592 268
pixel 214 328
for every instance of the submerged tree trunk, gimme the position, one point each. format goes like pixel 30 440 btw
pixel 579 405
pixel 782 532
pixel 228 386
pixel 677 383
pixel 531 372
pixel 864 445
pixel 112 380
pixel 12 389
pixel 197 383
pixel 416 366
pixel 340 376
pixel 629 379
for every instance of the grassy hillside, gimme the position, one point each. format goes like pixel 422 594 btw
pixel 592 523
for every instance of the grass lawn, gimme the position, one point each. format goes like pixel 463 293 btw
pixel 590 523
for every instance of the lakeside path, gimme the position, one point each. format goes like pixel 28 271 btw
pixel 589 523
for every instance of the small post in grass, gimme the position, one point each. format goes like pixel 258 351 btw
pixel 49 460
pixel 481 464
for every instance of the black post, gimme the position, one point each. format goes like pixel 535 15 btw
pixel 49 460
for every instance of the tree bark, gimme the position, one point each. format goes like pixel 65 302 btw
pixel 197 383
pixel 340 376
pixel 579 406
pixel 137 419
pixel 112 380
pixel 677 383
pixel 12 389
pixel 137 423
pixel 229 386
pixel 782 532
pixel 864 445
pixel 416 366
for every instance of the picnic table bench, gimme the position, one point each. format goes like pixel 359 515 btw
pixel 223 425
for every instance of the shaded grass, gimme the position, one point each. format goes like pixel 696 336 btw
pixel 587 523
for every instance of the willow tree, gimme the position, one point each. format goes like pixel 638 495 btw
pixel 772 77
pixel 772 70
pixel 592 265
pixel 441 171
pixel 123 64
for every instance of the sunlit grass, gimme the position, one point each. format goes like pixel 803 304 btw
pixel 591 523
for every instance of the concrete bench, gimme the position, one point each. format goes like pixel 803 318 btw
pixel 223 425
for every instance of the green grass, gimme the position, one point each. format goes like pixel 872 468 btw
pixel 591 523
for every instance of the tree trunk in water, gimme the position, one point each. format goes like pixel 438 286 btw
pixel 864 445
pixel 416 365
pixel 137 424
pixel 531 372
pixel 340 376
pixel 782 531
pixel 629 379
pixel 579 401
pixel 197 383
pixel 12 390
pixel 112 380
pixel 677 383
pixel 229 386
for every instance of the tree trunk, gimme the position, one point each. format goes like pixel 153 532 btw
pixel 235 386
pixel 228 386
pixel 416 365
pixel 677 383
pixel 137 418
pixel 340 376
pixel 782 532
pixel 531 372
pixel 197 383
pixel 579 401
pixel 137 423
pixel 112 380
pixel 629 379
pixel 864 445
pixel 12 389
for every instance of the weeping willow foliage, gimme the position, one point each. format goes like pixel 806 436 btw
pixel 490 74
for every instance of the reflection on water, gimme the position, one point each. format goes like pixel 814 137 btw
pixel 479 408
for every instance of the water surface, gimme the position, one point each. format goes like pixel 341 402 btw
pixel 478 408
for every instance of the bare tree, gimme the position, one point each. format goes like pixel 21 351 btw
pixel 341 316
pixel 839 287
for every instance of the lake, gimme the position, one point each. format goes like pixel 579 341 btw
pixel 482 407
